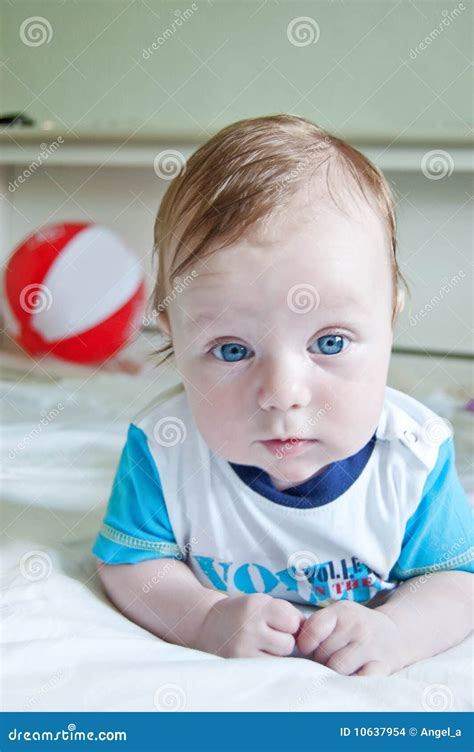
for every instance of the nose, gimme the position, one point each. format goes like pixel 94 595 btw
pixel 283 385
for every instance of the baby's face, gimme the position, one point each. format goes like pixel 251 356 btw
pixel 288 335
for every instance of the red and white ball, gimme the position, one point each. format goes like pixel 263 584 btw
pixel 74 291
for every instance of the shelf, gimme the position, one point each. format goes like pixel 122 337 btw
pixel 18 147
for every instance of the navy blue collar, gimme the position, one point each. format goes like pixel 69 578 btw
pixel 315 492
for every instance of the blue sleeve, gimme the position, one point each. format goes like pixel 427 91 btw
pixel 136 525
pixel 439 535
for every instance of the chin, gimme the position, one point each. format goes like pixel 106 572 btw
pixel 294 476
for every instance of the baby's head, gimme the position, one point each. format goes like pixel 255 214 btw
pixel 278 287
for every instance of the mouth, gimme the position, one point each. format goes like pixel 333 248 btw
pixel 288 447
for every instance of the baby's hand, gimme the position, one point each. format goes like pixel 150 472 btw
pixel 352 639
pixel 248 626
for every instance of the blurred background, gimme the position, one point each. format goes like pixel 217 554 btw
pixel 103 101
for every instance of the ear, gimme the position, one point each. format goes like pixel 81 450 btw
pixel 164 323
pixel 400 302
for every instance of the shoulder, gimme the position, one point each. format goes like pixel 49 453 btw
pixel 167 409
pixel 167 426
pixel 412 430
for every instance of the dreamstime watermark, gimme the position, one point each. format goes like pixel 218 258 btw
pixel 169 163
pixel 310 422
pixel 178 287
pixel 70 734
pixel 45 152
pixel 436 299
pixel 439 566
pixel 447 20
pixel 302 31
pixel 55 679
pixel 437 164
pixel 170 697
pixel 36 298
pixel 35 31
pixel 301 565
pixel 303 164
pixel 436 430
pixel 437 697
pixel 36 566
pixel 176 24
pixel 314 685
pixel 36 430
pixel 169 431
pixel 303 298
pixel 183 552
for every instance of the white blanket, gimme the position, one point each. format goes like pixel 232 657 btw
pixel 66 648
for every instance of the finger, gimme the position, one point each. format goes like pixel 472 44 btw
pixel 283 616
pixel 298 631
pixel 316 629
pixel 373 668
pixel 278 643
pixel 348 660
pixel 336 641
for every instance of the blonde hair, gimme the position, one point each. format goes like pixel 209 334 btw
pixel 240 176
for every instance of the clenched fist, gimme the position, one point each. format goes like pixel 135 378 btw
pixel 352 639
pixel 250 626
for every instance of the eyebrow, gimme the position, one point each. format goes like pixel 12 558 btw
pixel 342 303
pixel 206 317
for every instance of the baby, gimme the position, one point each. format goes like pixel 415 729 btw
pixel 283 473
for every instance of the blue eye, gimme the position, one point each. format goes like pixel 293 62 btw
pixel 330 344
pixel 231 352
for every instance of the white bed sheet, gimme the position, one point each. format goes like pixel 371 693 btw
pixel 66 648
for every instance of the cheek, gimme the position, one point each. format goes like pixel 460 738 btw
pixel 356 402
pixel 227 408
pixel 220 416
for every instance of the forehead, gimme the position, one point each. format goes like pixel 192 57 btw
pixel 303 298
pixel 343 256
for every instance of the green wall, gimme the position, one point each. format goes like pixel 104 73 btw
pixel 362 77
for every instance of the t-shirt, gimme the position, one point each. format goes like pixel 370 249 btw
pixel 394 510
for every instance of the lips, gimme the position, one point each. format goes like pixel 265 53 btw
pixel 289 438
pixel 287 447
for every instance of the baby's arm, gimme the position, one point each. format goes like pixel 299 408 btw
pixel 163 596
pixel 173 608
pixel 433 612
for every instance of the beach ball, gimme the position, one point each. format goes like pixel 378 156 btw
pixel 74 291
